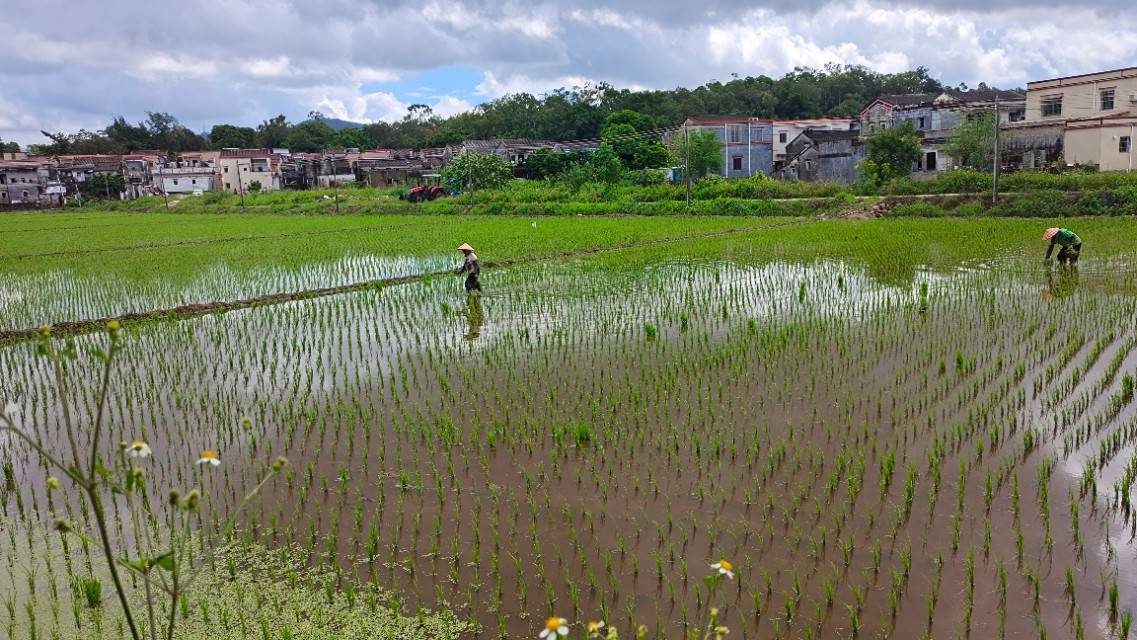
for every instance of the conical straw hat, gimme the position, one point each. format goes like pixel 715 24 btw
pixel 465 247
pixel 1050 233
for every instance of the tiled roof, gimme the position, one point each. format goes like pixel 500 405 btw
pixel 828 135
pixel 245 153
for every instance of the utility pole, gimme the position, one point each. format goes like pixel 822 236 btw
pixel 687 162
pixel 240 184
pixel 336 185
pixel 470 178
pixel 998 160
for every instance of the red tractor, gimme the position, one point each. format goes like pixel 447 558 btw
pixel 432 190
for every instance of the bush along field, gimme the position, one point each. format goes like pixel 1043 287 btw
pixel 840 429
pixel 1025 193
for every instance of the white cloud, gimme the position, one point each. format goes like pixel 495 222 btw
pixel 493 87
pixel 277 67
pixel 80 64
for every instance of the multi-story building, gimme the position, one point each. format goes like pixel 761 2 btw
pixel 936 115
pixel 823 155
pixel 747 143
pixel 1097 113
pixel 786 130
pixel 21 182
pixel 243 167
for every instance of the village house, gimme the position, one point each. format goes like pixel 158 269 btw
pixel 243 167
pixel 785 131
pixel 192 173
pixel 513 150
pixel 1096 114
pixel 76 172
pixel 935 117
pixel 392 167
pixel 22 183
pixel 823 155
pixel 747 143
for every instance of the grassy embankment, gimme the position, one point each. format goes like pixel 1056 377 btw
pixel 959 193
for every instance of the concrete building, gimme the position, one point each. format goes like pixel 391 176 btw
pixel 190 173
pixel 242 167
pixel 786 130
pixel 822 155
pixel 935 117
pixel 1097 112
pixel 21 183
pixel 747 143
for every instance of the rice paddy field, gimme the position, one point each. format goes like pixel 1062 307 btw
pixel 885 428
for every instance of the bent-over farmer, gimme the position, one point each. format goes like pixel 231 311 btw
pixel 1069 241
pixel 471 267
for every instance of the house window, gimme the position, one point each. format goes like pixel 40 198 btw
pixel 1052 106
pixel 809 165
pixel 920 122
pixel 1107 99
pixel 226 169
pixel 736 163
pixel 193 181
pixel 782 137
pixel 735 133
pixel 1125 144
pixel 175 182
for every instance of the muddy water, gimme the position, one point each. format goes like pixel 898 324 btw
pixel 585 440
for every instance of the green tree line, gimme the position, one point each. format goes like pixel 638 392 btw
pixel 564 114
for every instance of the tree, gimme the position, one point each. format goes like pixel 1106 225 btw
pixel 973 142
pixel 309 136
pixel 106 185
pixel 477 171
pixel 544 163
pixel 891 154
pixel 9 147
pixel 272 133
pixel 705 152
pixel 255 186
pixel 227 136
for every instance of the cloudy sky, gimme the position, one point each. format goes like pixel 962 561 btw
pixel 70 65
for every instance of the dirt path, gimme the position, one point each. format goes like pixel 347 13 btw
pixel 78 327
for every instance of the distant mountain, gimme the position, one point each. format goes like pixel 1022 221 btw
pixel 339 125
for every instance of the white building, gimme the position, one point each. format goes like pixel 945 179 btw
pixel 243 167
pixel 185 180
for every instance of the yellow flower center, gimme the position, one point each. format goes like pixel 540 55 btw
pixel 726 566
pixel 552 624
pixel 137 445
pixel 208 455
pixel 593 626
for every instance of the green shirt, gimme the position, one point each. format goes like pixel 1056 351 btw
pixel 1066 238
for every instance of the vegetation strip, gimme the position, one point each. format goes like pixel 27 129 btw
pixel 78 327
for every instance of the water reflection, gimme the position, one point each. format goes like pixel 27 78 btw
pixel 1061 283
pixel 475 317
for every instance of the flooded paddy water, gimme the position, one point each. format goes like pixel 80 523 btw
pixel 880 445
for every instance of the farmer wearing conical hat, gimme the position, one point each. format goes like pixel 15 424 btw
pixel 471 267
pixel 1070 242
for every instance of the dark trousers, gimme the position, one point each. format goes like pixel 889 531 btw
pixel 472 283
pixel 1069 255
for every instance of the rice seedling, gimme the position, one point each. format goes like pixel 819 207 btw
pixel 597 425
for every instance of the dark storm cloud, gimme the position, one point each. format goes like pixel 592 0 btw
pixel 71 64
